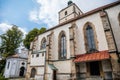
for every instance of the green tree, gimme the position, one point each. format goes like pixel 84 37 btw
pixel 31 35
pixel 10 41
pixel 42 30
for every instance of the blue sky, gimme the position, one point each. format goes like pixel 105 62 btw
pixel 28 14
pixel 17 12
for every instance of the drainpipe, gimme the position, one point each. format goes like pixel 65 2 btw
pixel 44 66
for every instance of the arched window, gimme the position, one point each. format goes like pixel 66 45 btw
pixel 43 43
pixel 62 46
pixel 33 72
pixel 90 39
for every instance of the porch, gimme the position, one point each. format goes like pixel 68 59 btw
pixel 94 66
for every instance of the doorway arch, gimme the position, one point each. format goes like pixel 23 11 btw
pixel 22 70
pixel 33 72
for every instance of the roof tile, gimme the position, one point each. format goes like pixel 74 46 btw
pixel 101 55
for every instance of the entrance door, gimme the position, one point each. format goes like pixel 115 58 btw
pixel 54 75
pixel 94 68
pixel 33 72
pixel 22 69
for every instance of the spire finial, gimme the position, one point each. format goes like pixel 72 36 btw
pixel 70 2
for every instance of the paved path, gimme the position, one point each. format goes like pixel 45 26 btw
pixel 18 79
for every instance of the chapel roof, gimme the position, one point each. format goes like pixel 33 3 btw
pixel 17 56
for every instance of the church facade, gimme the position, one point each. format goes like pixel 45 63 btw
pixel 82 46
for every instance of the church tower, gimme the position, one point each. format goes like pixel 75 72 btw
pixel 71 11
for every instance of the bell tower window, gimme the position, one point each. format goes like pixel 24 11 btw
pixel 65 12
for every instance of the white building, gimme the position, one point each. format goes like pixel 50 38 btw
pixel 81 46
pixel 16 65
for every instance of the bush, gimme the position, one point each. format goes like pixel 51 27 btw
pixel 2 78
pixel 2 66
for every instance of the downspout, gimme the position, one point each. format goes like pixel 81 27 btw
pixel 45 66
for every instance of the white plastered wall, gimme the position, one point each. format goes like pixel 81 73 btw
pixel 96 21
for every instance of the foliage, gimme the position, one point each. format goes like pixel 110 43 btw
pixel 42 30
pixel 10 41
pixel 2 78
pixel 31 35
pixel 2 66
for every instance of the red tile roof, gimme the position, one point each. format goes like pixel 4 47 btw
pixel 101 55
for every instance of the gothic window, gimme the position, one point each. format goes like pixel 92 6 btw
pixel 33 72
pixel 90 39
pixel 43 43
pixel 62 46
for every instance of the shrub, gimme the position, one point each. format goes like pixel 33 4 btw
pixel 2 77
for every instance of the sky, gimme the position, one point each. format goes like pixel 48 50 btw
pixel 29 14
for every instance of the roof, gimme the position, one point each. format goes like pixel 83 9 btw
pixel 85 14
pixel 98 56
pixel 16 56
pixel 52 66
pixel 39 51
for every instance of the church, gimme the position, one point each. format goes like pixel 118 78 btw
pixel 83 46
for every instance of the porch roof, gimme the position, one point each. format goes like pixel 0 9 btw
pixel 97 56
pixel 52 67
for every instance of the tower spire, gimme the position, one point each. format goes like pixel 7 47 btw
pixel 70 2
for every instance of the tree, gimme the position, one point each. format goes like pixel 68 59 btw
pixel 42 30
pixel 31 35
pixel 11 41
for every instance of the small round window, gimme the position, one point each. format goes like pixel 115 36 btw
pixel 23 63
pixel 65 12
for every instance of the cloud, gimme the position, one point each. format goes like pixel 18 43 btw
pixel 5 26
pixel 47 11
pixel 33 15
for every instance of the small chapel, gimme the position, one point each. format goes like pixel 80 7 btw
pixel 16 65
